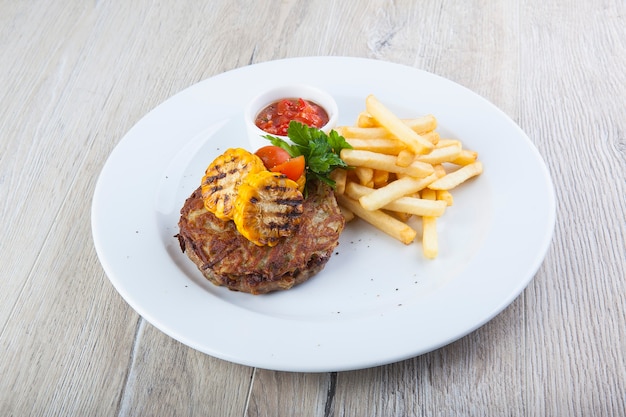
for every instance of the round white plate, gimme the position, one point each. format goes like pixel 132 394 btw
pixel 377 301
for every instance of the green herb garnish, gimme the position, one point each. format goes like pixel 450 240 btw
pixel 321 151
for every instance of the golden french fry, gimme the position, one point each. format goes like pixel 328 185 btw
pixel 445 195
pixel 360 158
pixel 339 175
pixel 381 178
pixel 379 132
pixel 418 206
pixel 405 158
pixel 403 217
pixel 394 190
pixel 375 132
pixel 355 190
pixel 466 157
pixel 380 220
pixel 440 171
pixel 408 205
pixel 457 177
pixel 442 143
pixel 365 120
pixel 430 240
pixel 422 124
pixel 365 175
pixel 432 137
pixel 441 155
pixel 428 194
pixel 393 124
pixel 389 146
pixel 347 214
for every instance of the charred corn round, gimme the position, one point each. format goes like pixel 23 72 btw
pixel 268 208
pixel 223 178
pixel 301 183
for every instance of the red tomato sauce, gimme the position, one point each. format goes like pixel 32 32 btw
pixel 275 118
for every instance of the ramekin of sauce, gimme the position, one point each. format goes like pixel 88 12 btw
pixel 270 112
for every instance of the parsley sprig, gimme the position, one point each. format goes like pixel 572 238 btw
pixel 321 151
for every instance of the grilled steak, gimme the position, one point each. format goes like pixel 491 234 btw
pixel 228 259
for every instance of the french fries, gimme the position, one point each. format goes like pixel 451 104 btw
pixel 380 220
pixel 368 159
pixel 408 205
pixel 396 127
pixel 388 146
pixel 402 168
pixel 457 177
pixel 430 241
pixel 394 190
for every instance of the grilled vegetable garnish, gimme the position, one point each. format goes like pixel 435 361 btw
pixel 223 178
pixel 268 208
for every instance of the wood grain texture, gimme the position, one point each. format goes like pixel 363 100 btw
pixel 77 76
pixel 579 299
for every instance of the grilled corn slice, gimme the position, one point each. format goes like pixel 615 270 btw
pixel 301 183
pixel 268 208
pixel 223 177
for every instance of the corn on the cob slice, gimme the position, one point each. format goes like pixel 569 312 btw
pixel 223 177
pixel 268 208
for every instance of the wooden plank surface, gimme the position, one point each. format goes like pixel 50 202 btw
pixel 77 76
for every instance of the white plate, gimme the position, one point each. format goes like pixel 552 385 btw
pixel 377 301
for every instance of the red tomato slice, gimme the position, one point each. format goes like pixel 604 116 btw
pixel 272 155
pixel 293 168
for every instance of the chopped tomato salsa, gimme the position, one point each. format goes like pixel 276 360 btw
pixel 275 118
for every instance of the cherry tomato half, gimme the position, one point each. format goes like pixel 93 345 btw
pixel 293 168
pixel 272 155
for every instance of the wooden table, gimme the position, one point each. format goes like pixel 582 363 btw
pixel 76 76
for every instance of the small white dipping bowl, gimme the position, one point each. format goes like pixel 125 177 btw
pixel 303 91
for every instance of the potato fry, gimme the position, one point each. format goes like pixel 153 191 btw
pixel 421 125
pixel 457 177
pixel 348 215
pixel 339 130
pixel 442 143
pixel 365 175
pixel 382 221
pixel 365 120
pixel 387 146
pixel 445 195
pixel 441 155
pixel 381 178
pixel 440 171
pixel 405 158
pixel 430 239
pixel 403 217
pixel 356 132
pixel 466 157
pixel 393 124
pixel 428 194
pixel 433 137
pixel 359 158
pixel 394 190
pixel 339 175
pixel 408 205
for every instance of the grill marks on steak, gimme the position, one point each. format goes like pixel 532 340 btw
pixel 227 258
